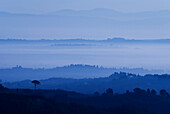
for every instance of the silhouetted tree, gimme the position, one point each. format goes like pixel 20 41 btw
pixel 163 92
pixel 127 91
pixel 35 82
pixel 148 91
pixel 109 92
pixel 139 91
pixel 153 92
pixel 123 75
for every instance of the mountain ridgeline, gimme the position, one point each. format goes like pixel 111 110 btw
pixel 75 71
pixel 109 40
pixel 97 23
pixel 120 82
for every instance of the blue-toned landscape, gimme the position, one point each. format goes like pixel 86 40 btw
pixel 116 52
pixel 84 57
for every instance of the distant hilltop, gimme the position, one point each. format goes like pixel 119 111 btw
pixel 76 71
pixel 88 40
pixel 96 23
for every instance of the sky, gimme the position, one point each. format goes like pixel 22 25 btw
pixel 42 6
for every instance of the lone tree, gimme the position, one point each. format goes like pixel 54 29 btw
pixel 163 92
pixel 35 82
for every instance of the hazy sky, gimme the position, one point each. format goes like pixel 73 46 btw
pixel 40 6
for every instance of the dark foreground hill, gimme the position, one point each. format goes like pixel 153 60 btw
pixel 138 101
pixel 23 104
pixel 15 101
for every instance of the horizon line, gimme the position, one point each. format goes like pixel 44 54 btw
pixel 107 39
pixel 76 10
pixel 83 65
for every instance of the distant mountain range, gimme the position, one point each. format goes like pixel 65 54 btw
pixel 109 40
pixel 101 13
pixel 94 24
pixel 78 71
pixel 111 14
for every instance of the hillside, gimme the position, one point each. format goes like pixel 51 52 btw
pixel 77 71
pixel 120 82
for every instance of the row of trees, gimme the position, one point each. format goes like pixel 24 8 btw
pixel 139 91
pixel 109 91
pixel 136 91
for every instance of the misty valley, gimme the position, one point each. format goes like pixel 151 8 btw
pixel 116 76
pixel 84 57
pixel 116 52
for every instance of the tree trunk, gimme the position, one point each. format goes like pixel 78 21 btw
pixel 35 86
